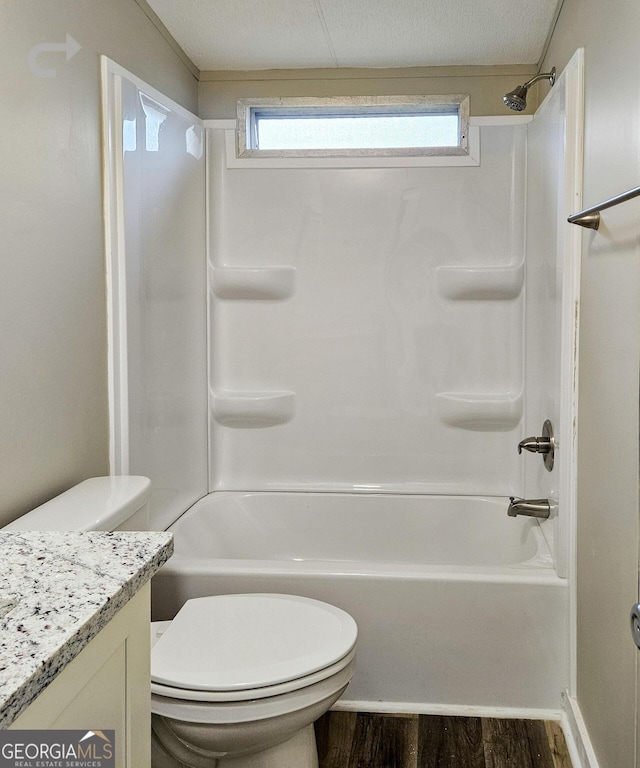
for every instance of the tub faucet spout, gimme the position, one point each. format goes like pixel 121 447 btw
pixel 529 507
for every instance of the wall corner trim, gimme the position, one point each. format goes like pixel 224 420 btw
pixel 576 735
pixel 175 45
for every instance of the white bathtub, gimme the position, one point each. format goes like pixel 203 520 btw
pixel 458 606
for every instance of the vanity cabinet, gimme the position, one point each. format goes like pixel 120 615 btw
pixel 105 687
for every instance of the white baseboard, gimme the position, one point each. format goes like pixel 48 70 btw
pixel 577 736
pixel 454 710
pixel 574 729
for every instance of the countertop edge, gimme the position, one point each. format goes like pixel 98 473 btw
pixel 71 646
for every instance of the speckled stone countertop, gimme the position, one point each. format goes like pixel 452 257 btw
pixel 57 591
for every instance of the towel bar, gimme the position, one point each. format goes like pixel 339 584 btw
pixel 590 217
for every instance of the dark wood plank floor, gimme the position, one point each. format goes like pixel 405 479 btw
pixel 366 740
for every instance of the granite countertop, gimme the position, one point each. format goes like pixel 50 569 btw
pixel 57 591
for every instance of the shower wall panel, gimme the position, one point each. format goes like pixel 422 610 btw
pixel 366 324
pixel 554 184
pixel 157 299
pixel 544 294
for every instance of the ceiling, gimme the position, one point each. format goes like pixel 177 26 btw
pixel 284 34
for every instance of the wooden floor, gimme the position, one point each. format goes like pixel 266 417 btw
pixel 364 740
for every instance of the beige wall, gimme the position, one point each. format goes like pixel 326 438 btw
pixel 609 355
pixel 219 91
pixel 53 385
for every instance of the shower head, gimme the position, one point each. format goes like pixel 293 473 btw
pixel 517 98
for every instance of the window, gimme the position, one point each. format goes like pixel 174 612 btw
pixel 353 126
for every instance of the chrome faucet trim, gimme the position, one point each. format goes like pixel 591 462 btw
pixel 545 445
pixel 535 445
pixel 529 507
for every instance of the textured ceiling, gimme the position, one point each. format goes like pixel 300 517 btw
pixel 280 34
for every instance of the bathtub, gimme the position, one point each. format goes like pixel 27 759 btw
pixel 458 606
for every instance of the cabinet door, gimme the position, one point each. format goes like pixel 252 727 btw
pixel 105 687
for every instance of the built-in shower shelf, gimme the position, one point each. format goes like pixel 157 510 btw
pixel 480 412
pixel 252 410
pixel 253 283
pixel 480 283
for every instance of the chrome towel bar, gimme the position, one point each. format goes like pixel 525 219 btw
pixel 590 217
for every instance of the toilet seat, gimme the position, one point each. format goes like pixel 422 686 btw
pixel 253 710
pixel 252 694
pixel 243 647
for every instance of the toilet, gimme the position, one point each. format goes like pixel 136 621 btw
pixel 237 681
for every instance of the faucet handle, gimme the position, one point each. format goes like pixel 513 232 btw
pixel 545 445
pixel 535 445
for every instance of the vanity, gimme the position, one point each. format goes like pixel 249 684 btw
pixel 74 633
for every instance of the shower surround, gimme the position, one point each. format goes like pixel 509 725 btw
pixel 367 324
pixel 367 337
pixel 378 341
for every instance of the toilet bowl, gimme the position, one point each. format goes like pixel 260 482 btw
pixel 236 680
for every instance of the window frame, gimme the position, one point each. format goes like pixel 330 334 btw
pixel 349 106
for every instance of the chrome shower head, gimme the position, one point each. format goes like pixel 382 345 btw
pixel 517 98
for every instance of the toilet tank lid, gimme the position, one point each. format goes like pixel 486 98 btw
pixel 96 504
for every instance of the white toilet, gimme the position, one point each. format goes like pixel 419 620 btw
pixel 236 680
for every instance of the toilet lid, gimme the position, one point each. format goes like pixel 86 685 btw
pixel 239 642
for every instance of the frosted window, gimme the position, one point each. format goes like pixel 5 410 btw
pixel 353 125
pixel 356 132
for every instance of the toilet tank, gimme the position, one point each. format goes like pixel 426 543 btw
pixel 115 503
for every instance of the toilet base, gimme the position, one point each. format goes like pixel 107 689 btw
pixel 299 751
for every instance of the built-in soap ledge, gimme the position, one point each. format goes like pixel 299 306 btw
pixel 480 412
pixel 252 410
pixel 480 283
pixel 253 283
